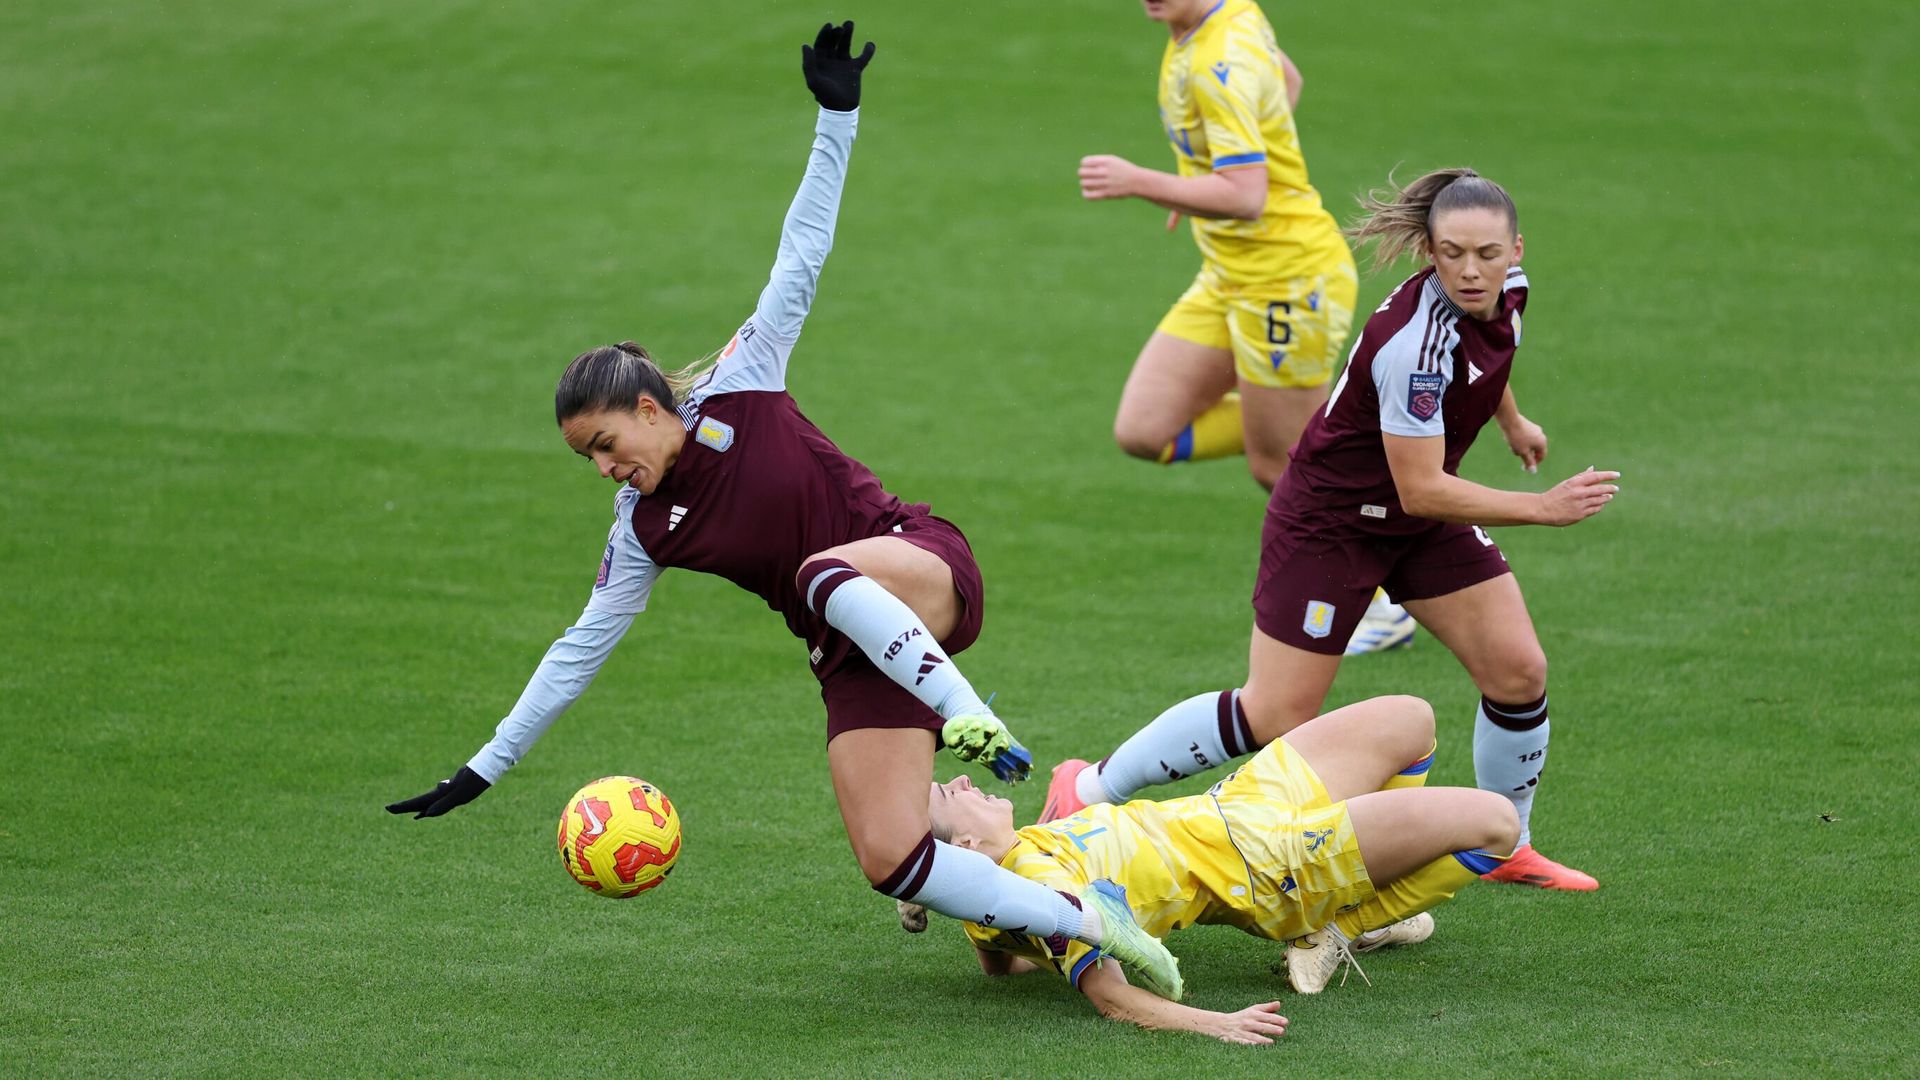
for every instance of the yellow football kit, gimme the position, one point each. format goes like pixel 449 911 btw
pixel 1263 850
pixel 1278 291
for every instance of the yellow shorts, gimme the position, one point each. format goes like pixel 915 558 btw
pixel 1282 333
pixel 1301 855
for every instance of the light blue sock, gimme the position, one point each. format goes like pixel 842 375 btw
pixel 1198 734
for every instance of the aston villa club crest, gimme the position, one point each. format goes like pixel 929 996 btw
pixel 714 434
pixel 1319 620
pixel 1423 394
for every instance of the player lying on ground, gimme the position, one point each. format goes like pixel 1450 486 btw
pixel 1372 497
pixel 1325 839
pixel 720 472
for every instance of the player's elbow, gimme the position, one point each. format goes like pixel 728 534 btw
pixel 1418 499
pixel 1241 191
pixel 1107 1004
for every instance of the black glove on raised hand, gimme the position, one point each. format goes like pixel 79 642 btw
pixel 457 790
pixel 833 72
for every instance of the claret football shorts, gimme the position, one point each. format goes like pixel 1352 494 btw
pixel 859 695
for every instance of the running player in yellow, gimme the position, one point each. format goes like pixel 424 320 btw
pixel 1325 839
pixel 1246 354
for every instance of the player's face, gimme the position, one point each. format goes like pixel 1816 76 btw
pixel 1472 251
pixel 635 447
pixel 959 809
pixel 1176 12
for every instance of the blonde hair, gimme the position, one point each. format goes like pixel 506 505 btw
pixel 613 377
pixel 681 380
pixel 1400 219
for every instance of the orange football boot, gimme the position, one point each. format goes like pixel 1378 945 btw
pixel 1528 867
pixel 1063 795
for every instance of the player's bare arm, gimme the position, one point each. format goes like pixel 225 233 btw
pixel 1105 984
pixel 1524 437
pixel 1427 490
pixel 1239 193
pixel 1293 79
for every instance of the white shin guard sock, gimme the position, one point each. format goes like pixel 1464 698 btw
pixel 964 884
pixel 1508 757
pixel 891 635
pixel 1198 734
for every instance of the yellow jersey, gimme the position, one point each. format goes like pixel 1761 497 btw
pixel 1262 850
pixel 1223 103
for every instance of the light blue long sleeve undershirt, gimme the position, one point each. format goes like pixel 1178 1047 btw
pixel 806 237
pixel 563 675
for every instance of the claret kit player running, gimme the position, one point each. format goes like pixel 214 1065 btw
pixel 1373 498
pixel 720 472
pixel 1324 839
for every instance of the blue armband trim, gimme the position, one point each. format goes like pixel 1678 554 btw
pixel 1081 965
pixel 1257 157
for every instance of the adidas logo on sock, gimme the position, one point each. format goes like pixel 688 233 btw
pixel 673 519
pixel 928 662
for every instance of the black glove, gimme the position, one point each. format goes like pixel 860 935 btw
pixel 457 790
pixel 833 72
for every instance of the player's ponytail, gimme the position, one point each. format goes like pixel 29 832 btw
pixel 1400 219
pixel 613 377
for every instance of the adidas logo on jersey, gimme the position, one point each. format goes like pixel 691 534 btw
pixel 673 518
pixel 1473 373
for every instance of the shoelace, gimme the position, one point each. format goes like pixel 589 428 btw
pixel 1352 962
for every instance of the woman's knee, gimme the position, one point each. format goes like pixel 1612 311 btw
pixel 1496 823
pixel 1272 714
pixel 814 564
pixel 880 852
pixel 1137 439
pixel 1521 676
pixel 1266 468
pixel 1410 723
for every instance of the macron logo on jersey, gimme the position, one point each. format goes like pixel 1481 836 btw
pixel 1220 72
pixel 673 518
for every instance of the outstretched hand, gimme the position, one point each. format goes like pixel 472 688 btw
pixel 1106 176
pixel 1255 1025
pixel 457 790
pixel 833 72
pixel 1579 496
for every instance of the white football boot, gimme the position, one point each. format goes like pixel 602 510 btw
pixel 1386 625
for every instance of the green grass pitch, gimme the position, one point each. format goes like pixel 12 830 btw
pixel 284 287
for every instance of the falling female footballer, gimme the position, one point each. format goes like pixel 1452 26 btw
pixel 720 472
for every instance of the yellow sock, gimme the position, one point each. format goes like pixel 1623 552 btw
pixel 1414 775
pixel 1425 888
pixel 1215 433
